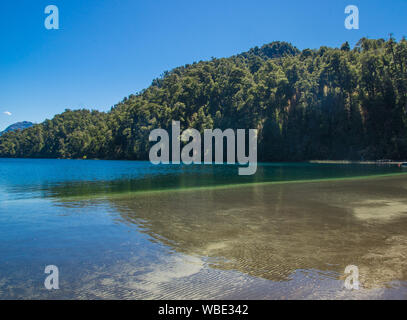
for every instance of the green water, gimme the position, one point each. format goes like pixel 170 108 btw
pixel 31 178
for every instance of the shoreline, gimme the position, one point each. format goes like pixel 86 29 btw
pixel 370 162
pixel 377 162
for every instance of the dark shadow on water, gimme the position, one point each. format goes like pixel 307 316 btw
pixel 125 177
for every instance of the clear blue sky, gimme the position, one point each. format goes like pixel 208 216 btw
pixel 106 50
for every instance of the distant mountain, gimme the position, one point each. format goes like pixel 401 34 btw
pixel 18 126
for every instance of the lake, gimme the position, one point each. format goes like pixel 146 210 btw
pixel 132 230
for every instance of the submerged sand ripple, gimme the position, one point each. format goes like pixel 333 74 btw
pixel 272 231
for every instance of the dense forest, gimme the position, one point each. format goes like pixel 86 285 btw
pixel 326 103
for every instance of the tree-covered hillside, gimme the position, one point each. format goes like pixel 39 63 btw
pixel 328 103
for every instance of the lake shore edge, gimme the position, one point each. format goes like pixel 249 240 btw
pixel 377 162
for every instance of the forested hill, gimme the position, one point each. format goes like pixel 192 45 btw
pixel 327 103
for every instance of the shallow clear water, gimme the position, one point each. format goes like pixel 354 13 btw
pixel 197 235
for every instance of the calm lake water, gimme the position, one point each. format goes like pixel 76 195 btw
pixel 132 230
